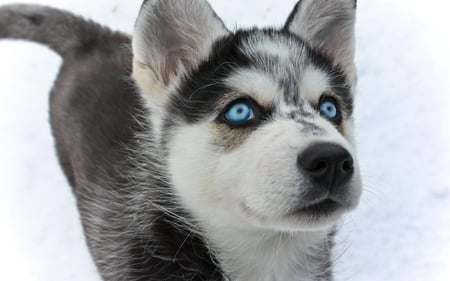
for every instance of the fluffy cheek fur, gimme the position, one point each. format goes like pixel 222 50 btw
pixel 217 184
pixel 193 162
pixel 261 175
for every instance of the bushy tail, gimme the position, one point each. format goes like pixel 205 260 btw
pixel 63 32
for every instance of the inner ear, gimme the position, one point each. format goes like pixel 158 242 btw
pixel 172 37
pixel 328 25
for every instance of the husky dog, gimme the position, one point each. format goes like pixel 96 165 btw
pixel 205 154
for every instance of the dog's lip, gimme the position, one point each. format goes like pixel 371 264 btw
pixel 323 207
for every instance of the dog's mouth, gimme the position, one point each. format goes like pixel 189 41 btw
pixel 321 208
pixel 317 215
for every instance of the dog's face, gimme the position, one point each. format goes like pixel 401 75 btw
pixel 256 125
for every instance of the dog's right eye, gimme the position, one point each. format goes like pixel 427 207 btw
pixel 239 113
pixel 329 109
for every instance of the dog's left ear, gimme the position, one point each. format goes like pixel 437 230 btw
pixel 171 38
pixel 328 25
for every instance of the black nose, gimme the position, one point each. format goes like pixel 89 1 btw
pixel 327 165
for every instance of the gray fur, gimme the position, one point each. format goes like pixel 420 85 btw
pixel 63 32
pixel 327 25
pixel 172 37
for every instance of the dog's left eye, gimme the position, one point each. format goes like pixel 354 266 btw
pixel 239 113
pixel 329 109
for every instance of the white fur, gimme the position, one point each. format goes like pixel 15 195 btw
pixel 265 46
pixel 257 83
pixel 254 255
pixel 313 83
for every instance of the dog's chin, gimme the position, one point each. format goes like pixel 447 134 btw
pixel 320 217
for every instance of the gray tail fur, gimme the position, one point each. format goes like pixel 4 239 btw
pixel 63 32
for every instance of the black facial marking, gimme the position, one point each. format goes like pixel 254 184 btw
pixel 35 19
pixel 199 93
pixel 290 86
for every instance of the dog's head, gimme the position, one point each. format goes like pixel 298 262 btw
pixel 256 125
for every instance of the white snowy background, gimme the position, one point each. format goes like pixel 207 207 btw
pixel 401 230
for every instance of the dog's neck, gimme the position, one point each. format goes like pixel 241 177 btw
pixel 255 255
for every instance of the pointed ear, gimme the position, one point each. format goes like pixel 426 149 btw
pixel 328 25
pixel 171 38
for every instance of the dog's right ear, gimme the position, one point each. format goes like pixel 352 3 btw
pixel 328 25
pixel 171 38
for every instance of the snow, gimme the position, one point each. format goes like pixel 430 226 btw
pixel 401 230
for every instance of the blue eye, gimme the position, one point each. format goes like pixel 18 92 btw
pixel 239 113
pixel 328 108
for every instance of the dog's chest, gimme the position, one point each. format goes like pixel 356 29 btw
pixel 285 257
